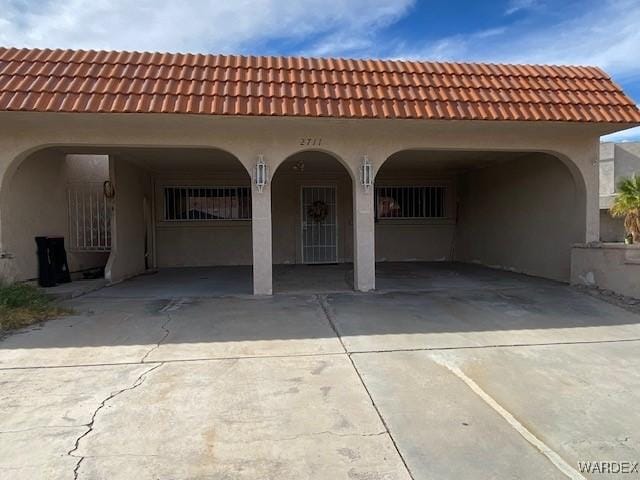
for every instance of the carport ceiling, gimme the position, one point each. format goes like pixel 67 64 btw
pixel 446 160
pixel 199 160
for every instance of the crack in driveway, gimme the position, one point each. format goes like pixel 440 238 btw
pixel 139 381
pixel 164 337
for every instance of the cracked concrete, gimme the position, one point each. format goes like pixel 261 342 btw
pixel 227 408
pixel 167 332
pixel 43 412
pixel 102 404
pixel 344 386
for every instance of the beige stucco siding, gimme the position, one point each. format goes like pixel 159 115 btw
pixel 611 229
pixel 129 227
pixel 276 139
pixel 403 242
pixel 608 266
pixel 523 215
pixel 203 245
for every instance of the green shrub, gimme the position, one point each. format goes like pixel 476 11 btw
pixel 22 305
pixel 627 205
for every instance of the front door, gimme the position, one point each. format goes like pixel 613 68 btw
pixel 319 225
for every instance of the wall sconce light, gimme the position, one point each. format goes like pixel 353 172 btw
pixel 366 174
pixel 261 174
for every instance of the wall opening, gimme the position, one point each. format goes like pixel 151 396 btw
pixel 173 207
pixel 312 221
pixel 199 206
pixel 57 193
pixel 518 211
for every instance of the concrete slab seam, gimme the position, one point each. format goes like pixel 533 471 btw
pixel 498 345
pixel 139 381
pixel 330 354
pixel 322 300
pixel 184 360
pixel 542 447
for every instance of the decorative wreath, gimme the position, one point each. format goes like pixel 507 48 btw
pixel 318 211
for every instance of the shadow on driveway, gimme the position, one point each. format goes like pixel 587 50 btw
pixel 475 307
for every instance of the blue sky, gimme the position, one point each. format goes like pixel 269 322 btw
pixel 605 33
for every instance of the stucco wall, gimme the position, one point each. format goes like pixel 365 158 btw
pixel 276 139
pixel 217 242
pixel 404 242
pixel 36 205
pixel 87 168
pixel 614 267
pixel 129 229
pixel 611 229
pixel 523 215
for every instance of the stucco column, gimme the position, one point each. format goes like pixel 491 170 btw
pixel 261 239
pixel 586 160
pixel 364 252
pixel 592 181
pixel 7 273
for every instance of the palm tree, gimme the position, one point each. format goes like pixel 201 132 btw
pixel 627 205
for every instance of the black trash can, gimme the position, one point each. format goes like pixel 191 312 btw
pixel 52 261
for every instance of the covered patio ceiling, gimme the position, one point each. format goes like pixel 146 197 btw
pixel 168 159
pixel 449 161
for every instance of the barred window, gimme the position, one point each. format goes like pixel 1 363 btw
pixel 89 214
pixel 207 203
pixel 411 202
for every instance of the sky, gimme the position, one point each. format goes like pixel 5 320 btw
pixel 605 33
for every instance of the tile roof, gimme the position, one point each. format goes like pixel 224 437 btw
pixel 133 82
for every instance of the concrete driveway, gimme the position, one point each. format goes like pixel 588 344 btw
pixel 504 377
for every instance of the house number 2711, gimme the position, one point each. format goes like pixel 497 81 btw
pixel 311 142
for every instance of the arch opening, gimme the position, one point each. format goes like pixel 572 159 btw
pixel 312 223
pixel 173 208
pixel 516 211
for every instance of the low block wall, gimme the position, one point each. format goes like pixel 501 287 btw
pixel 610 266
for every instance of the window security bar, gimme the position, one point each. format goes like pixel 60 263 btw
pixel 411 202
pixel 205 203
pixel 89 213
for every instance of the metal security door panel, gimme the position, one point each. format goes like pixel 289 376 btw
pixel 319 225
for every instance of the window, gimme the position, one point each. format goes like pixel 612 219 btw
pixel 187 204
pixel 89 218
pixel 411 202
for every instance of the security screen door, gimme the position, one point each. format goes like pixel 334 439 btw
pixel 319 225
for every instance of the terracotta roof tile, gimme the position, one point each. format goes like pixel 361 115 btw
pixel 134 82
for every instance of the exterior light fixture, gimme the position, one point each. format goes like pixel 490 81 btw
pixel 261 174
pixel 366 174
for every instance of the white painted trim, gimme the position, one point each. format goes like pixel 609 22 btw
pixel 542 447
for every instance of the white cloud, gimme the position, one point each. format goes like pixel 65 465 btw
pixel 518 5
pixel 629 135
pixel 197 25
pixel 607 34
